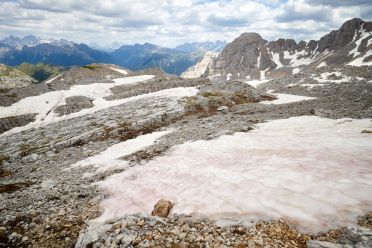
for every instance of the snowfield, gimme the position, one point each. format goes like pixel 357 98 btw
pixel 200 68
pixel 287 98
pixel 314 172
pixel 43 105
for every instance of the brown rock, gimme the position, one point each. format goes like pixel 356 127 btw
pixel 162 208
pixel 366 131
pixel 2 232
pixel 240 245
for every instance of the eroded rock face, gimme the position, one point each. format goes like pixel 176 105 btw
pixel 162 208
pixel 338 39
pixel 213 95
pixel 74 104
pixel 231 89
pixel 243 55
pixel 15 121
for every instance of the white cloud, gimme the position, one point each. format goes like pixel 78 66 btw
pixel 170 22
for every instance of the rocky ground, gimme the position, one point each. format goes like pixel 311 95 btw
pixel 45 203
pixel 185 231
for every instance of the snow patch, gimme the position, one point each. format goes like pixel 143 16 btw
pixel 320 179
pixel 323 64
pixel 45 103
pixel 359 61
pixel 287 98
pixel 363 35
pixel 200 68
pixel 51 80
pixel 109 159
pixel 119 70
pixel 263 74
pixel 296 70
pixel 258 60
pixel 228 76
pixel 255 83
pixel 325 77
pixel 298 58
pixel 276 59
pixel 131 80
pixel 310 86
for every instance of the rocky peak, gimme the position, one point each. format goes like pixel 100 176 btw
pixel 250 38
pixel 250 56
pixel 337 39
pixel 30 39
pixel 283 45
pixel 246 53
pixel 16 42
pixel 355 24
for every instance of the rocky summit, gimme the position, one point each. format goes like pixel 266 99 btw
pixel 251 57
pixel 267 144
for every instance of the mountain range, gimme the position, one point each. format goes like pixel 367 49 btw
pixel 251 57
pixel 247 57
pixel 216 46
pixel 30 49
pixel 15 51
pixel 136 57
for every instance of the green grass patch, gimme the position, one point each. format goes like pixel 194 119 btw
pixel 211 94
pixel 40 72
pixel 91 67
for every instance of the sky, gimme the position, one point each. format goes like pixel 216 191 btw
pixel 172 22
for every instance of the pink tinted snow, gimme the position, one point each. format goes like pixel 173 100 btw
pixel 316 173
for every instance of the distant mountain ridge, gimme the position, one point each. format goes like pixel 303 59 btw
pixel 251 57
pixel 136 57
pixel 216 46
pixel 30 49
pixel 28 40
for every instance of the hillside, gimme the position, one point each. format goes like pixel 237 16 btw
pixel 40 72
pixel 12 78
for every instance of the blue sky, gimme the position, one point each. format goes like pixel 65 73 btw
pixel 171 22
